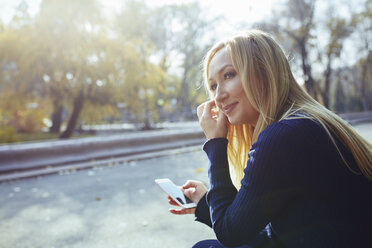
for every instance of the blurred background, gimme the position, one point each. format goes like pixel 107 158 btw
pixel 77 68
pixel 68 67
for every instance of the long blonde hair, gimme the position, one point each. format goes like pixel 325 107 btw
pixel 273 91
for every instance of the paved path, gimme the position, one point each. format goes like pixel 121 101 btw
pixel 113 206
pixel 117 205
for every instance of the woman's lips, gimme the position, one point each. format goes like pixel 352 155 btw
pixel 229 108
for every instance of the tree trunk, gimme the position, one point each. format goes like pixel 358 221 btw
pixel 309 81
pixel 78 106
pixel 363 88
pixel 147 124
pixel 327 83
pixel 340 104
pixel 184 94
pixel 56 118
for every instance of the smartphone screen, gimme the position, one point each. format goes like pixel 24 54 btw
pixel 173 191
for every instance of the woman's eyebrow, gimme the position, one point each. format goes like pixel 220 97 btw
pixel 221 69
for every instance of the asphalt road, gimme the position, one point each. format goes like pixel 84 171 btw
pixel 117 205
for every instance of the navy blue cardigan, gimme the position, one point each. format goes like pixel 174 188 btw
pixel 296 184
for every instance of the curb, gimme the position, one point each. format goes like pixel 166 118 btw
pixel 40 155
pixel 72 168
pixel 357 118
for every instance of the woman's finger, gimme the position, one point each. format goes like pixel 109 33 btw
pixel 172 202
pixel 190 184
pixel 221 117
pixel 200 110
pixel 182 211
pixel 207 111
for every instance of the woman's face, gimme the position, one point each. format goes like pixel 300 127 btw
pixel 228 92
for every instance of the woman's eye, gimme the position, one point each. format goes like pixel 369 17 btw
pixel 213 87
pixel 229 75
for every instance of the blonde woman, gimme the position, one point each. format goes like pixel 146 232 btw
pixel 284 171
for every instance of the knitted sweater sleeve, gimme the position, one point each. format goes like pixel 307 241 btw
pixel 202 213
pixel 238 216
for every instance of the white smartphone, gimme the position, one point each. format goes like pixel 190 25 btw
pixel 175 193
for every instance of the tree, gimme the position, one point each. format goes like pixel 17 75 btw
pixel 18 91
pixel 74 57
pixel 339 103
pixel 363 34
pixel 338 30
pixel 180 31
pixel 142 79
pixel 302 30
pixel 68 58
pixel 299 25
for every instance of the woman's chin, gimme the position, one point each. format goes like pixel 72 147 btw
pixel 235 121
pixel 232 121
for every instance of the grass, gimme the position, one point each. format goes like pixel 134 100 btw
pixel 22 137
pixel 38 136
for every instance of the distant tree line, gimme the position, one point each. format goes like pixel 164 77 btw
pixel 318 43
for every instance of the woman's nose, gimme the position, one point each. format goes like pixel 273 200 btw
pixel 221 94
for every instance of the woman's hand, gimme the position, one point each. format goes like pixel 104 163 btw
pixel 213 123
pixel 194 190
